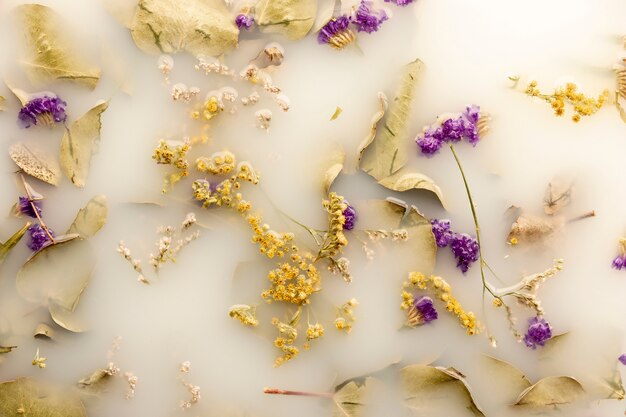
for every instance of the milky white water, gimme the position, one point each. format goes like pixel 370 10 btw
pixel 468 49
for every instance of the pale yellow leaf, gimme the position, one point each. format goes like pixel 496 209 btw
pixel 336 114
pixel 334 166
pixel 43 331
pixel 291 18
pixel 31 398
pixel 551 391
pixel 91 218
pixel 405 180
pixel 510 379
pixel 351 397
pixel 35 163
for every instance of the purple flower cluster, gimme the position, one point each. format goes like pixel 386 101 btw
pixel 26 208
pixel 45 109
pixel 38 237
pixel 337 32
pixel 400 2
pixel 464 247
pixel 350 215
pixel 619 262
pixel 367 20
pixel 622 358
pixel 244 21
pixel 335 28
pixel 451 130
pixel 425 310
pixel 539 331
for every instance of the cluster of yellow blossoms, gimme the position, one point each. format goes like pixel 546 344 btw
pixel 174 154
pixel 440 288
pixel 345 316
pixel 335 238
pixel 287 335
pixel 583 105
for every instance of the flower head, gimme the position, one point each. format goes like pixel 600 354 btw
pixel 47 109
pixel 430 142
pixel 368 20
pixel 622 359
pixel 400 2
pixel 442 232
pixel 27 207
pixel 452 130
pixel 350 217
pixel 421 312
pixel 244 21
pixel 539 331
pixel 620 260
pixel 465 249
pixel 38 237
pixel 337 33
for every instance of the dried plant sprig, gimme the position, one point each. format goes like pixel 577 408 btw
pixel 173 153
pixel 39 360
pixel 287 335
pixel 245 314
pixel 131 380
pixel 211 65
pixel 582 105
pixel 32 201
pixel 135 263
pixel 180 92
pixel 345 315
pixel 194 390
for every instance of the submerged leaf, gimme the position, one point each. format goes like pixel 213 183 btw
pixel 374 127
pixel 350 398
pixel 553 390
pixel 508 377
pixel 404 180
pixel 325 11
pixel 336 160
pixel 336 114
pixel 420 382
pixel 91 218
pixel 2 100
pixel 201 27
pixel 421 241
pixel 32 398
pixel 6 247
pixel 21 95
pixel 66 318
pixel 291 18
pixel 558 195
pixel 388 152
pixel 527 229
pixel 96 382
pixel 80 142
pixel 49 56
pixel 7 349
pixel 35 163
pixel 43 331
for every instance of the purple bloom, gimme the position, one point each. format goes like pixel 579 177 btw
pixel 451 130
pixel 45 109
pixel 465 249
pixel 244 21
pixel 367 20
pixel 442 232
pixel 400 2
pixel 430 142
pixel 619 262
pixel 622 359
pixel 336 32
pixel 38 237
pixel 539 331
pixel 425 310
pixel 26 208
pixel 350 215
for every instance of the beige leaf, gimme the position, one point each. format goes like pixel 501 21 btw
pixel 96 382
pixel 43 331
pixel 374 126
pixel 7 349
pixel 6 247
pixel 35 163
pixel 31 398
pixel 201 27
pixel 291 18
pixel 2 100
pixel 421 382
pixel 336 114
pixel 510 379
pixel 351 397
pixel 421 240
pixel 80 142
pixel 67 318
pixel 335 165
pixel 404 180
pixel 388 152
pixel 325 11
pixel 558 195
pixel 49 56
pixel 530 229
pixel 550 391
pixel 21 95
pixel 91 218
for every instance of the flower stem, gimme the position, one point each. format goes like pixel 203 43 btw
pixel 591 213
pixel 31 201
pixel 302 393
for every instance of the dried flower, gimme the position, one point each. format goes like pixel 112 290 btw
pixel 368 20
pixel 194 390
pixel 264 117
pixel 131 380
pixel 165 64
pixel 47 109
pixel 442 232
pixel 350 217
pixel 244 21
pixel 539 331
pixel 345 316
pixel 173 153
pixel 39 361
pixel 244 313
pixel 400 2
pixel 468 125
pixel 337 33
pixel 620 260
pixel 38 237
pixel 622 359
pixel 250 100
pixel 465 250
pixel 583 105
pixel 29 207
pixel 180 92
pixel 212 65
pixel 287 335
pixel 135 263
pixel 422 311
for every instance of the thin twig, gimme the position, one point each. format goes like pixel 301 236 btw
pixel 36 211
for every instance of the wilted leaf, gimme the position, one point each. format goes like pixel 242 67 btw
pixel 553 390
pixel 336 114
pixel 325 11
pixel 91 218
pixel 7 349
pixel 43 331
pixel 421 382
pixel 558 195
pixel 335 160
pixel 388 151
pixel 374 127
pixel 507 377
pixel 30 398
pixel 96 382
pixel 67 318
pixel 201 27
pixel 527 229
pixel 49 56
pixel 79 143
pixel 291 18
pixel 404 180
pixel 35 163
pixel 421 240
pixel 351 397
pixel 21 95
pixel 6 247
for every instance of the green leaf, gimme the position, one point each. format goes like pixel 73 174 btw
pixel 388 152
pixel 6 247
pixel 405 179
pixel 291 18
pixel 66 317
pixel 35 163
pixel 49 56
pixel 510 379
pixel 550 391
pixel 423 384
pixel 351 397
pixel 91 218
pixel 79 143
pixel 201 27
pixel 30 398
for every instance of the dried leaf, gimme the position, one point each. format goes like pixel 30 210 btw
pixel 325 11
pixel 291 18
pixel 35 163
pixel 351 397
pixel 558 195
pixel 336 160
pixel 421 240
pixel 404 180
pixel 49 56
pixel 21 95
pixel 96 382
pixel 553 390
pixel 7 349
pixel 66 318
pixel 6 247
pixel 388 151
pixel 79 143
pixel 2 100
pixel 509 378
pixel 91 218
pixel 420 382
pixel 43 331
pixel 32 398
pixel 620 109
pixel 336 114
pixel 374 127
pixel 201 27
pixel 527 229
pixel 271 56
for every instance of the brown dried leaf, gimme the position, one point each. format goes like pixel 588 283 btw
pixel 550 391
pixel 291 18
pixel 49 56
pixel 508 377
pixel 91 218
pixel 35 163
pixel 80 142
pixel 404 180
pixel 335 162
pixel 96 382
pixel 558 195
pixel 43 331
pixel 7 349
pixel 201 27
pixel 6 247
pixel 31 398
pixel 271 56
pixel 351 397
pixel 527 229
pixel 336 114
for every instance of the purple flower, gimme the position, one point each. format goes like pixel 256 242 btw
pixel 451 130
pixel 244 21
pixel 47 109
pixel 38 237
pixel 425 310
pixel 442 232
pixel 336 33
pixel 400 2
pixel 350 215
pixel 465 250
pixel 619 262
pixel 622 359
pixel 26 208
pixel 539 331
pixel 430 142
pixel 367 20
